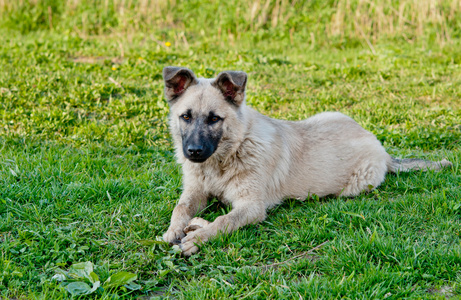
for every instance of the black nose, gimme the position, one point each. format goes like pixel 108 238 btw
pixel 194 150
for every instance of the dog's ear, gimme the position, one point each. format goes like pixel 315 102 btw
pixel 177 80
pixel 232 85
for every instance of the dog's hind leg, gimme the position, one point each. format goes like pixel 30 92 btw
pixel 365 178
pixel 243 213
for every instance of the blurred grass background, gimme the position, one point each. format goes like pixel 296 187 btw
pixel 399 57
pixel 314 22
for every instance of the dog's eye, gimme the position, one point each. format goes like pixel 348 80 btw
pixel 213 119
pixel 185 117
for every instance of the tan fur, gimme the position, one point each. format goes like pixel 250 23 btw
pixel 261 161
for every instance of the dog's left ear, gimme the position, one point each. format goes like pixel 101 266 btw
pixel 232 85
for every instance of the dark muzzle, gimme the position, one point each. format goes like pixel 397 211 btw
pixel 198 152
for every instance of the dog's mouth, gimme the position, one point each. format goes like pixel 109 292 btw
pixel 197 160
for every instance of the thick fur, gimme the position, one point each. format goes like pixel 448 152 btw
pixel 260 161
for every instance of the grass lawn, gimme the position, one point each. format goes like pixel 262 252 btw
pixel 88 178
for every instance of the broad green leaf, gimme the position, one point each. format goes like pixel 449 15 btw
pixel 169 263
pixel 81 288
pixel 82 271
pixel 59 277
pixel 133 286
pixel 119 279
pixel 94 277
pixel 176 249
pixel 78 288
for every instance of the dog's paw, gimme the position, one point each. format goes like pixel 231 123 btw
pixel 191 242
pixel 173 236
pixel 195 223
pixel 188 248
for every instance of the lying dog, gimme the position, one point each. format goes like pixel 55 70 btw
pixel 252 162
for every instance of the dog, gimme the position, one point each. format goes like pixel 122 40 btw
pixel 252 162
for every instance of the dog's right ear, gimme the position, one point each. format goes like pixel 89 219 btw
pixel 177 80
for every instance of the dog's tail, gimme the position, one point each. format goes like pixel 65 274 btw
pixel 411 164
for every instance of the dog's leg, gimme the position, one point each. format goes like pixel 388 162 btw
pixel 365 178
pixel 243 213
pixel 191 201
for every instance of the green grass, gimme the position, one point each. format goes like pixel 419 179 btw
pixel 87 170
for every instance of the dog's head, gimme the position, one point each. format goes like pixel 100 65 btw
pixel 204 112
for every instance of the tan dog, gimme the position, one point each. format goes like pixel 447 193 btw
pixel 251 162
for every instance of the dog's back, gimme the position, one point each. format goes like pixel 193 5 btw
pixel 326 154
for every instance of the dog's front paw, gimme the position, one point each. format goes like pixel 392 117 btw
pixel 188 248
pixel 194 224
pixel 191 242
pixel 174 235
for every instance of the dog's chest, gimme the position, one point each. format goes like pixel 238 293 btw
pixel 218 185
pixel 216 182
